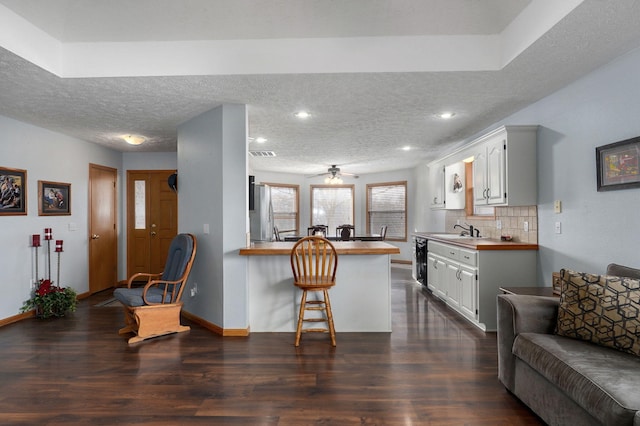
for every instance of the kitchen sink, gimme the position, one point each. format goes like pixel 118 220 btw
pixel 455 237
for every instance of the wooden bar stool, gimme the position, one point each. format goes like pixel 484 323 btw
pixel 314 262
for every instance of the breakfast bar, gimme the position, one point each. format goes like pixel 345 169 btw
pixel 360 300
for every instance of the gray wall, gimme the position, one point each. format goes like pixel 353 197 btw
pixel 53 157
pixel 212 191
pixel 597 227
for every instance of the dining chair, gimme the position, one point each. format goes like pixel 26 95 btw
pixel 383 233
pixel 313 230
pixel 345 232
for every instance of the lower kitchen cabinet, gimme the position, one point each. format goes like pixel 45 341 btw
pixel 469 280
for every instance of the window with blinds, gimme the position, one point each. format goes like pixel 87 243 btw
pixel 332 205
pixel 285 204
pixel 387 205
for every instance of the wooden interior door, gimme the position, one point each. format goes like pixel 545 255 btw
pixel 152 219
pixel 103 237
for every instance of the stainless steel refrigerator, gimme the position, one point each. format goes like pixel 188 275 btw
pixel 261 217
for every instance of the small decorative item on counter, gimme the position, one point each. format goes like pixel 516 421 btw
pixel 506 238
pixel 51 301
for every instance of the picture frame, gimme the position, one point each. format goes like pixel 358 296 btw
pixel 54 198
pixel 13 192
pixel 618 165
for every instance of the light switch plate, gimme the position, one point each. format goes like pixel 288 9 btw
pixel 526 227
pixel 558 228
pixel 498 224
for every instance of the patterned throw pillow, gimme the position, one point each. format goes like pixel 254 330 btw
pixel 603 309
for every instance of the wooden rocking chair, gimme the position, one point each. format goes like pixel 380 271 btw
pixel 154 310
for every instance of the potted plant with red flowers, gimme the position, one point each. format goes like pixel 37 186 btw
pixel 49 300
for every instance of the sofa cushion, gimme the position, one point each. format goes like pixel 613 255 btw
pixel 601 380
pixel 602 309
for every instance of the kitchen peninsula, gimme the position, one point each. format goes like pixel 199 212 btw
pixel 360 300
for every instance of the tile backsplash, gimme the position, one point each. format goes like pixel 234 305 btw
pixel 512 219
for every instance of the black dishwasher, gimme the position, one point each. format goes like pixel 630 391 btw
pixel 421 261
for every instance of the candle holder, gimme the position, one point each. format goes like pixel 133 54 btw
pixel 59 250
pixel 35 243
pixel 48 236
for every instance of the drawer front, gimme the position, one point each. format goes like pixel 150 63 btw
pixel 450 252
pixel 468 257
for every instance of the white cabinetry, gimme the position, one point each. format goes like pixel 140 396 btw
pixel 504 167
pixel 436 185
pixel 436 270
pixel 469 280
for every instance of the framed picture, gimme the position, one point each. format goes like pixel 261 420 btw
pixel 54 198
pixel 13 192
pixel 617 165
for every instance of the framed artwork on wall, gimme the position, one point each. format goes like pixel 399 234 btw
pixel 13 191
pixel 618 165
pixel 54 198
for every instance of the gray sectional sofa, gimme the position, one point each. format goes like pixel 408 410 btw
pixel 565 380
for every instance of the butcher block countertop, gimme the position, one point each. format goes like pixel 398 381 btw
pixel 342 247
pixel 475 243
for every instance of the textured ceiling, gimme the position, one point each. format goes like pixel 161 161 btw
pixel 360 120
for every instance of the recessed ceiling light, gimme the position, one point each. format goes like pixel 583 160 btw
pixel 260 139
pixel 134 139
pixel 445 115
pixel 406 148
pixel 302 114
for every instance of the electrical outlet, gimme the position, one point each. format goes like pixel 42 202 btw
pixel 457 221
pixel 194 289
pixel 526 227
pixel 498 224
pixel 558 228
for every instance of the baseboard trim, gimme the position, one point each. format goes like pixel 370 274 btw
pixel 16 318
pixel 235 332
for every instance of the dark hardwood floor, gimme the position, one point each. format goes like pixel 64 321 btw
pixel 434 369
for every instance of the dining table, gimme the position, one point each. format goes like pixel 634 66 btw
pixel 363 237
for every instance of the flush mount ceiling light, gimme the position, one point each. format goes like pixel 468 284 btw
pixel 445 115
pixel 134 139
pixel 260 139
pixel 302 115
pixel 406 148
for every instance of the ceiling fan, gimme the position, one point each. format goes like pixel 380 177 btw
pixel 334 174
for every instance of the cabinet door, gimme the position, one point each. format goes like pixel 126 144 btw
pixel 453 285
pixel 436 183
pixel 468 291
pixel 436 268
pixel 432 273
pixel 496 183
pixel 480 176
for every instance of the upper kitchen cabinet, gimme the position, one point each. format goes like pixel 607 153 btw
pixel 504 167
pixel 436 185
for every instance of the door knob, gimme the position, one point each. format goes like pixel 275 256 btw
pixel 95 237
pixel 153 233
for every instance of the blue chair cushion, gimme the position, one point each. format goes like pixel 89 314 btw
pixel 133 296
